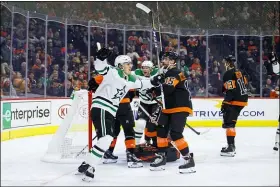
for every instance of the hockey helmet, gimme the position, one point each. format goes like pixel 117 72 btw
pixel 230 60
pixel 122 59
pixel 147 64
pixel 171 55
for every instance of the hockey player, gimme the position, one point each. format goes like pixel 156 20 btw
pixel 235 99
pixel 274 63
pixel 172 119
pixel 124 118
pixel 142 121
pixel 105 104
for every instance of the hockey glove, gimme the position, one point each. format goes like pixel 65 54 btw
pixel 157 80
pixel 150 93
pixel 103 53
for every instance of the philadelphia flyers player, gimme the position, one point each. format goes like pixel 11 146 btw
pixel 172 119
pixel 235 99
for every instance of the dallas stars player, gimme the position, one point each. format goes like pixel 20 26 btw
pixel 124 118
pixel 105 104
pixel 142 121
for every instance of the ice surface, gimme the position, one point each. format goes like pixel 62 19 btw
pixel 255 163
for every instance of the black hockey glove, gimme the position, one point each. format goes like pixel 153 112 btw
pixel 157 80
pixel 103 53
pixel 150 93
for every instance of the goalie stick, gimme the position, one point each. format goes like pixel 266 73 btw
pixel 150 13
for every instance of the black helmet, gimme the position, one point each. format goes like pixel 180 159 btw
pixel 171 55
pixel 230 59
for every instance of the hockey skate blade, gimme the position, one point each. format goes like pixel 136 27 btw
pixel 232 154
pixel 159 168
pixel 187 170
pixel 109 161
pixel 134 165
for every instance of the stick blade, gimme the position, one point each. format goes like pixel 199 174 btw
pixel 143 7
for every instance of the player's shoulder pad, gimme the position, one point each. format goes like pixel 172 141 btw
pixel 131 78
pixel 138 72
pixel 154 71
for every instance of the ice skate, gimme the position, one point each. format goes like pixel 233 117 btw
pixel 188 166
pixel 228 151
pixel 133 161
pixel 109 157
pixel 159 163
pixel 89 174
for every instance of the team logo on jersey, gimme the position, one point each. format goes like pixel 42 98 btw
pixel 120 93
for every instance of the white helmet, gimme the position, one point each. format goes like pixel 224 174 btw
pixel 122 59
pixel 147 64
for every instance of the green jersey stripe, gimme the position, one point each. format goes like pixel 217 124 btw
pixel 103 70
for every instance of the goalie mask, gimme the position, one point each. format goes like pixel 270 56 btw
pixel 146 68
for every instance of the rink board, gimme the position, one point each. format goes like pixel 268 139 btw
pixel 31 117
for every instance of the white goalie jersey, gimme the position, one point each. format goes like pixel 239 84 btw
pixel 113 87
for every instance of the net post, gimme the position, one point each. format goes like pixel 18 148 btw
pixel 89 121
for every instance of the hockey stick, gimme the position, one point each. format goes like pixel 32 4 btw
pixel 147 113
pixel 160 43
pixel 149 12
pixel 85 147
pixel 195 131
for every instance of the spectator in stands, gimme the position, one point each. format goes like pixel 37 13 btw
pixel 267 88
pixel 196 64
pixel 134 56
pixel 56 85
pixel 5 57
pixel 274 93
pixel 32 82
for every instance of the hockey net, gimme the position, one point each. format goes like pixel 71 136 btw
pixel 73 138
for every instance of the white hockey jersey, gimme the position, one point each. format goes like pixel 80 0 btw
pixel 146 81
pixel 113 87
